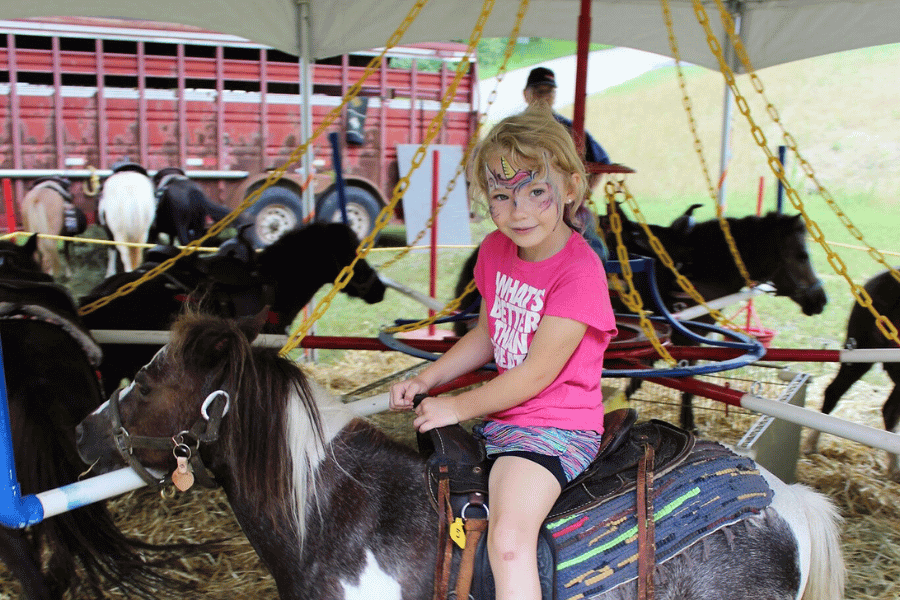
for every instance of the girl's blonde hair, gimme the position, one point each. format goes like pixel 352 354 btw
pixel 534 138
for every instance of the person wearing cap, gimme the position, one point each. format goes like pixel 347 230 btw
pixel 541 87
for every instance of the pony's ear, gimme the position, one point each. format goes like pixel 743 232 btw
pixel 31 245
pixel 252 326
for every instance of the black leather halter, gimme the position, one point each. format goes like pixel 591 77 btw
pixel 205 430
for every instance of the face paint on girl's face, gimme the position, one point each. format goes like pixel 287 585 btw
pixel 521 189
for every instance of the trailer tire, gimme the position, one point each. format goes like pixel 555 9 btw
pixel 362 210
pixel 277 211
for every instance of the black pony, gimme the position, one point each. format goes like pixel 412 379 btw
pixel 862 332
pixel 50 365
pixel 772 247
pixel 182 207
pixel 234 282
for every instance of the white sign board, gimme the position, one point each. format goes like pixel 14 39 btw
pixel 453 218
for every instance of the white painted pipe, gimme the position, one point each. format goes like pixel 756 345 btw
pixel 139 336
pixel 371 405
pixel 870 355
pixel 698 311
pixel 428 301
pixel 88 491
pixel 876 438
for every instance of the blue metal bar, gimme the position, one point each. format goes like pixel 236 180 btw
pixel 779 198
pixel 338 174
pixel 15 511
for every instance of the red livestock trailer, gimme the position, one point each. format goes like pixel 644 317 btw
pixel 80 94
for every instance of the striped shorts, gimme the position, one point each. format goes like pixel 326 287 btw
pixel 575 449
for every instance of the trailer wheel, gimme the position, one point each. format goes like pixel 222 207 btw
pixel 277 211
pixel 362 210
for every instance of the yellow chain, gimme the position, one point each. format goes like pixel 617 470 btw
pixel 859 293
pixel 473 139
pixel 620 189
pixel 631 298
pixel 273 177
pixel 384 216
pixel 698 147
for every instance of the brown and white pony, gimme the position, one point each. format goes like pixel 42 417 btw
pixel 336 509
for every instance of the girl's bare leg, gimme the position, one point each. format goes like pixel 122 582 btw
pixel 522 493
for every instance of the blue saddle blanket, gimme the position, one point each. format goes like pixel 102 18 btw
pixel 597 548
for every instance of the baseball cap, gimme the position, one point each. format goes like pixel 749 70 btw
pixel 541 76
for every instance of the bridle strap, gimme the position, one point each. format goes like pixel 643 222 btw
pixel 205 430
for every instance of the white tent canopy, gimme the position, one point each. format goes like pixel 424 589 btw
pixel 774 31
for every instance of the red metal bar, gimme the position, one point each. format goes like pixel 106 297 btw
pixel 364 343
pixel 712 391
pixel 102 127
pixel 143 136
pixel 15 110
pixel 58 125
pixel 772 354
pixel 435 192
pixel 413 96
pixel 759 195
pixel 10 207
pixel 181 108
pixel 382 125
pixel 584 36
pixel 220 107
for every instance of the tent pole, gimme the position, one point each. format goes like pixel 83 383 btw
pixel 584 36
pixel 303 22
pixel 728 107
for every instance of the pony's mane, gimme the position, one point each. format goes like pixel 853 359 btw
pixel 273 436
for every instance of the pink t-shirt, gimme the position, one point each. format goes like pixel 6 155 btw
pixel 571 284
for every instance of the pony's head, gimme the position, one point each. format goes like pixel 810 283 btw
pixel 20 262
pixel 794 275
pixel 268 429
pixel 325 249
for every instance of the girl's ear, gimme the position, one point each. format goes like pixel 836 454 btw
pixel 575 182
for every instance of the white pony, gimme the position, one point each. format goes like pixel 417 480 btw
pixel 126 210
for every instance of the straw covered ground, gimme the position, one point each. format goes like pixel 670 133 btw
pixel 850 473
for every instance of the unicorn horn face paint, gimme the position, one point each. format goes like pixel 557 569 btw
pixel 526 205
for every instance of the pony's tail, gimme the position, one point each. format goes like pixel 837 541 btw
pixel 827 571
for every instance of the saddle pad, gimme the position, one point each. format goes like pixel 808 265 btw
pixel 597 548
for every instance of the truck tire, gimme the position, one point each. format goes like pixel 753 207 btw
pixel 362 210
pixel 277 211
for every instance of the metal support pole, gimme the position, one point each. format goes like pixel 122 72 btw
pixel 15 511
pixel 728 106
pixel 305 44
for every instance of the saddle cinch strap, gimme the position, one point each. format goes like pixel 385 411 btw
pixel 457 472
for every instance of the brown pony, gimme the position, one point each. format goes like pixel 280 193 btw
pixel 47 209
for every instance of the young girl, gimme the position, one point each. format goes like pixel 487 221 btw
pixel 546 322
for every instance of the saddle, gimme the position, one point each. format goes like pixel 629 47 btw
pixel 37 298
pixel 457 470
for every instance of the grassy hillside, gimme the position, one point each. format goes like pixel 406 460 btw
pixel 840 108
